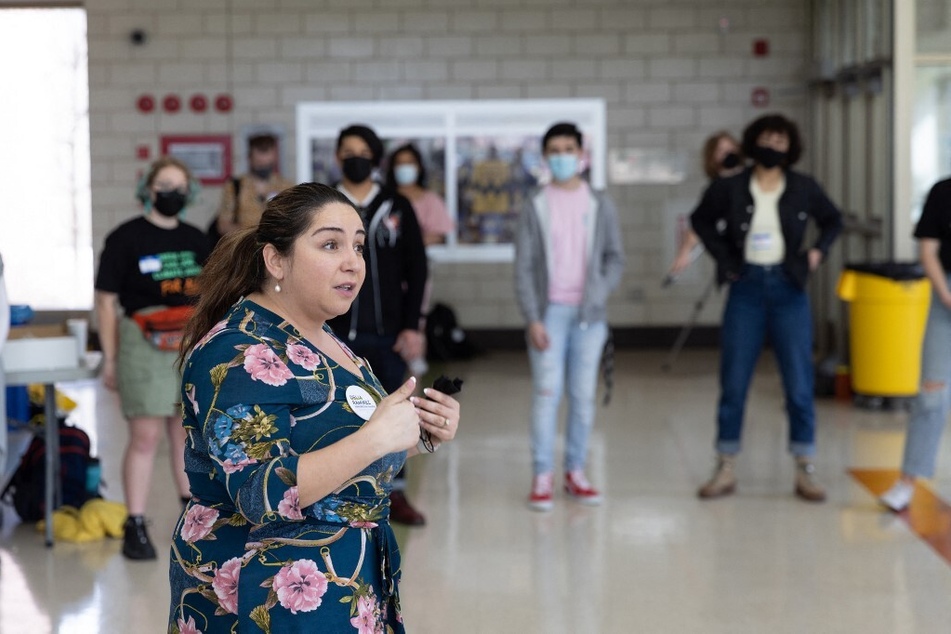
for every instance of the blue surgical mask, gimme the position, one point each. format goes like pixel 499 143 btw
pixel 563 166
pixel 406 174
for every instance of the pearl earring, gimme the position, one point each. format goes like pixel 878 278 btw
pixel 277 288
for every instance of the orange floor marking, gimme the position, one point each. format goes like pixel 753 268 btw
pixel 928 515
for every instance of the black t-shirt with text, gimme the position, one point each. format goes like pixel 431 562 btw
pixel 147 265
pixel 935 221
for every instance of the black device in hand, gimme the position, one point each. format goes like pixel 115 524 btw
pixel 447 386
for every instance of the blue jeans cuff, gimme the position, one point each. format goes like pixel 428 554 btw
pixel 728 447
pixel 802 450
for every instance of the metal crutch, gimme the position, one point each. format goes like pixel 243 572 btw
pixel 685 331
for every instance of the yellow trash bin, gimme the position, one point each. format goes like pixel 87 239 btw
pixel 889 308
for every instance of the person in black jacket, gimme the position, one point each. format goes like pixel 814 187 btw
pixel 753 224
pixel 382 325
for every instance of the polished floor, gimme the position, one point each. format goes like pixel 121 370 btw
pixel 652 558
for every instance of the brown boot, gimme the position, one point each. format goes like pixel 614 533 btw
pixel 402 512
pixel 807 488
pixel 723 481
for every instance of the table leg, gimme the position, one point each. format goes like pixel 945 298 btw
pixel 51 429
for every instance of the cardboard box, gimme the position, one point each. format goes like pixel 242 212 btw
pixel 39 347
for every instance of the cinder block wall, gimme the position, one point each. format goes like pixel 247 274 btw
pixel 669 73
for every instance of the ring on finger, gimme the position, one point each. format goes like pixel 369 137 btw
pixel 445 423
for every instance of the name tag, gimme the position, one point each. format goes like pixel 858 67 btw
pixel 149 264
pixel 361 402
pixel 761 241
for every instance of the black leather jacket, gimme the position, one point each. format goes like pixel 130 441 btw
pixel 723 217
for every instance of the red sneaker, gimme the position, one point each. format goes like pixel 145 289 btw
pixel 541 497
pixel 578 487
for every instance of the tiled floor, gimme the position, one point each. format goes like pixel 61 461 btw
pixel 653 558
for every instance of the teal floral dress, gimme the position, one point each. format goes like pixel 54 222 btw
pixel 245 556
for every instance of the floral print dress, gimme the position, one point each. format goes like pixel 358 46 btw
pixel 245 556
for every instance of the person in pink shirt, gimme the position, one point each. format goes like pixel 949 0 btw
pixel 407 174
pixel 568 259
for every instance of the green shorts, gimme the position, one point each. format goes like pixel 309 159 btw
pixel 149 381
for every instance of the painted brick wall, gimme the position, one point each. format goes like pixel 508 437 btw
pixel 667 71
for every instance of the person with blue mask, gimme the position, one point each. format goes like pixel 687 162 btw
pixel 407 175
pixel 568 259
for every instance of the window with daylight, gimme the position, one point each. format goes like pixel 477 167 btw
pixel 45 217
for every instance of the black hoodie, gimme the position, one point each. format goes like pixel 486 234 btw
pixel 392 294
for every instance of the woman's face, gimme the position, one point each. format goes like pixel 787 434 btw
pixel 325 270
pixel 725 146
pixel 169 178
pixel 778 141
pixel 405 158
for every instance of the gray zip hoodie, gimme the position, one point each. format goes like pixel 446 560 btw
pixel 604 250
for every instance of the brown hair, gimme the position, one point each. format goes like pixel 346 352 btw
pixel 236 266
pixel 710 165
pixel 262 143
pixel 143 193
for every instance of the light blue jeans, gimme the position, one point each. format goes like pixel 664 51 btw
pixel 930 411
pixel 575 350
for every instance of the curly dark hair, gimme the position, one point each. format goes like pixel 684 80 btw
pixel 773 123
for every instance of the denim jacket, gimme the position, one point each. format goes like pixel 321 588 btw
pixel 725 213
pixel 533 250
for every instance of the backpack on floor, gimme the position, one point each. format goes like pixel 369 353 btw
pixel 26 489
pixel 445 339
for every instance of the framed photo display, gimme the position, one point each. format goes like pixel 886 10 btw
pixel 483 157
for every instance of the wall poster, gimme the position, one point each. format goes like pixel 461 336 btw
pixel 207 156
pixel 483 157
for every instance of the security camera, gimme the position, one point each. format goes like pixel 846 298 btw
pixel 138 37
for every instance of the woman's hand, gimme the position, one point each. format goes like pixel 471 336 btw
pixel 438 414
pixel 394 424
pixel 109 374
pixel 409 344
pixel 815 259
pixel 538 336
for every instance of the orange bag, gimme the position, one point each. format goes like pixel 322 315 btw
pixel 165 328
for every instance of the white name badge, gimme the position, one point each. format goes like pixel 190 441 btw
pixel 361 402
pixel 149 264
pixel 762 241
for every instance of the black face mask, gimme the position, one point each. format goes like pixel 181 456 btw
pixel 768 157
pixel 263 173
pixel 730 161
pixel 169 203
pixel 357 168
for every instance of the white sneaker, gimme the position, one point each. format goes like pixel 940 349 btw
pixel 899 496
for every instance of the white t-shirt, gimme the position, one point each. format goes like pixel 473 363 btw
pixel 764 242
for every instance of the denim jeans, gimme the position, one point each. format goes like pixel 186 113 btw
pixel 929 413
pixel 765 302
pixel 575 349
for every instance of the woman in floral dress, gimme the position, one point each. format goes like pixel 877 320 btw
pixel 292 443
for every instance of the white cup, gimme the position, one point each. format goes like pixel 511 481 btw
pixel 79 328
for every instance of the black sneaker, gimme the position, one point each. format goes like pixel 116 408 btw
pixel 136 543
